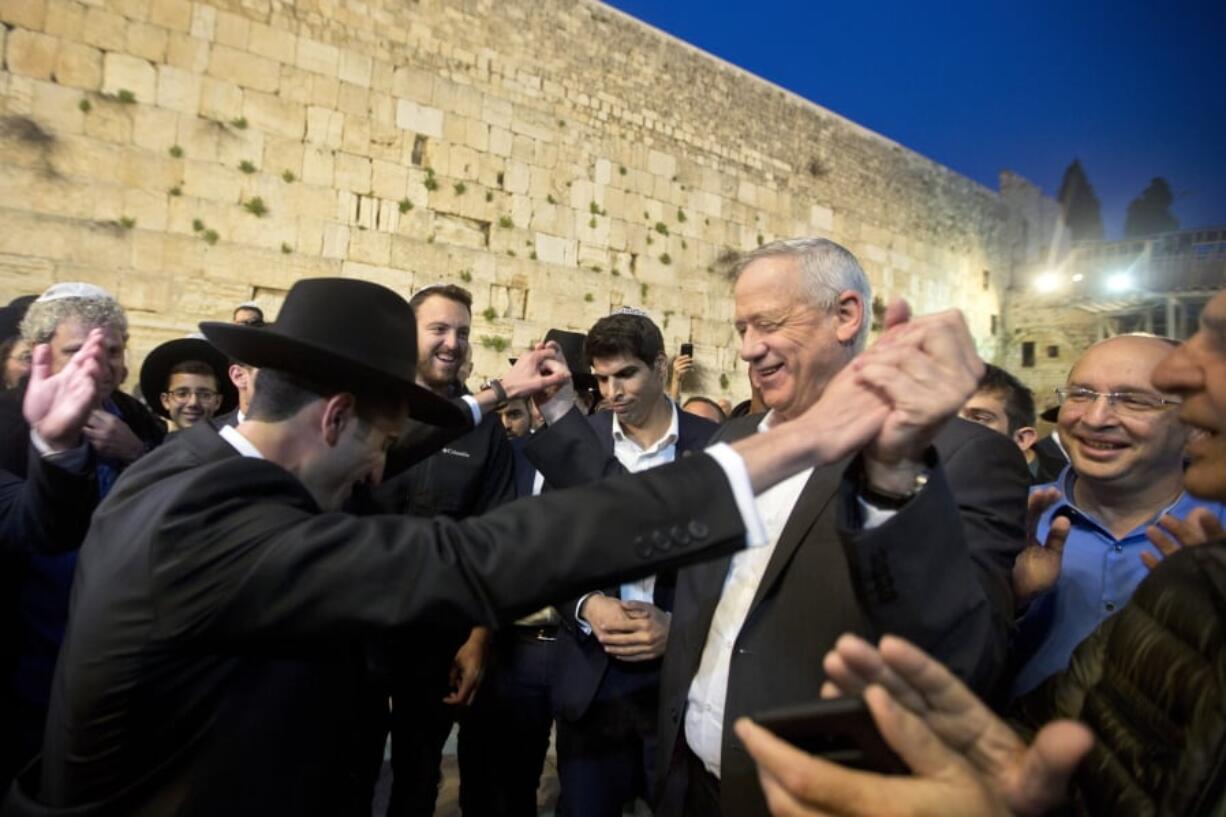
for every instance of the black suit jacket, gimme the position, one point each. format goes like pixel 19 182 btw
pixel 578 450
pixel 1051 460
pixel 937 573
pixel 46 512
pixel 211 662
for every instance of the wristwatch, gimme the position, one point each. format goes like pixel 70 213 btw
pixel 888 500
pixel 495 385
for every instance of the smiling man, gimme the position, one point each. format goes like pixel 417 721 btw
pixel 607 663
pixel 1126 451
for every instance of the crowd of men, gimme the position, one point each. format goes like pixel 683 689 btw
pixel 309 533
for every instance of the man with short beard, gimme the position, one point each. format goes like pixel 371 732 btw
pixel 435 671
pixel 1125 446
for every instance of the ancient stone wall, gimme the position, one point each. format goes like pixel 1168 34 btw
pixel 557 157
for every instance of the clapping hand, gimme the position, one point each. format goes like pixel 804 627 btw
pixel 58 406
pixel 1170 535
pixel 1037 567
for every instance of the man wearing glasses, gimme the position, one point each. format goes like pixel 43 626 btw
pixel 1120 497
pixel 184 380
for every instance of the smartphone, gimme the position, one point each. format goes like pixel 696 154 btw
pixel 687 349
pixel 840 730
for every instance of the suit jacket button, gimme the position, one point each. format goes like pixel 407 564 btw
pixel 679 536
pixel 697 529
pixel 660 540
pixel 642 547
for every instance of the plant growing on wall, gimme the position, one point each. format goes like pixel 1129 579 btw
pixel 498 344
pixel 246 166
pixel 240 123
pixel 405 205
pixel 505 222
pixel 176 152
pixel 255 206
pixel 288 176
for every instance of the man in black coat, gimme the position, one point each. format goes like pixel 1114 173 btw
pixel 608 655
pixel 1146 688
pixel 433 672
pixel 209 665
pixel 916 535
pixel 119 430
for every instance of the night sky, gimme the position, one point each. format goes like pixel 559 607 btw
pixel 1133 89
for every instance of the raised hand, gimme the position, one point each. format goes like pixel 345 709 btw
pixel 57 406
pixel 966 760
pixel 1171 535
pixel 1037 567
pixel 926 368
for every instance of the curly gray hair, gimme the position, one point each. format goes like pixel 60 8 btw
pixel 43 317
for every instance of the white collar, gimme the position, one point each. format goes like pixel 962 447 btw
pixel 241 444
pixel 670 437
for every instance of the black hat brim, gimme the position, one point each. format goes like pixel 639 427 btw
pixel 1050 415
pixel 155 372
pixel 264 347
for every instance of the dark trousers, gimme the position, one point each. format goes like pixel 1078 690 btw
pixel 606 758
pixel 702 789
pixel 504 739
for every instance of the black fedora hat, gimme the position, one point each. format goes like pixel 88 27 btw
pixel 572 349
pixel 341 333
pixel 155 371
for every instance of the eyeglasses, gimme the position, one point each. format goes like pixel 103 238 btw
pixel 1124 402
pixel 184 394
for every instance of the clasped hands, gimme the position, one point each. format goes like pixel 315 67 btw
pixel 627 630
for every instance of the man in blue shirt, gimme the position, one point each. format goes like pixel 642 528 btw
pixel 1125 446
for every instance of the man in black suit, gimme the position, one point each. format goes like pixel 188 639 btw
pixel 211 665
pixel 119 431
pixel 916 535
pixel 607 666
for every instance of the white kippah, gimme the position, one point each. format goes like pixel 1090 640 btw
pixel 74 289
pixel 630 310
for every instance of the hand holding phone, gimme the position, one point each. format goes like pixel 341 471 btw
pixel 841 730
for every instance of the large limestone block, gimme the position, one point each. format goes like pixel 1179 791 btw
pixel 233 30
pixel 155 129
pixel 28 14
pixel 317 57
pixel 188 53
pixel 220 100
pixel 147 42
pixel 274 43
pixel 178 90
pixel 370 247
pixel 422 119
pixel 65 19
pixel 79 66
pixel 355 68
pixel 58 107
pixel 175 15
pixel 274 115
pixel 244 69
pixel 103 29
pixel 123 73
pixel 352 173
pixel 324 126
pixel 31 54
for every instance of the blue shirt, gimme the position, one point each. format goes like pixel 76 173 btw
pixel 1097 577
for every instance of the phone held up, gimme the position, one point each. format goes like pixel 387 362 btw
pixel 840 730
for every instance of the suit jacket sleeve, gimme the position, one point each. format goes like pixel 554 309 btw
pixel 570 453
pixel 48 511
pixel 260 563
pixel 917 577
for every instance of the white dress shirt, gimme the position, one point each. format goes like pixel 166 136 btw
pixel 704 713
pixel 635 458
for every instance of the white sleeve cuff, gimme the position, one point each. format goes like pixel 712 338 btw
pixel 742 490
pixel 584 627
pixel 474 407
pixel 72 460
